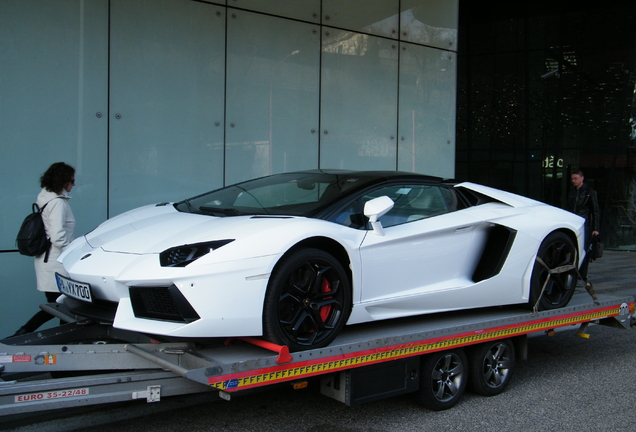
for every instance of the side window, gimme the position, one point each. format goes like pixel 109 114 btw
pixel 411 203
pixel 351 216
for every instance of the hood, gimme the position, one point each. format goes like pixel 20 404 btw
pixel 153 229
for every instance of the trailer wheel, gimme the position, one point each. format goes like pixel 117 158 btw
pixel 491 366
pixel 443 379
pixel 556 250
pixel 308 300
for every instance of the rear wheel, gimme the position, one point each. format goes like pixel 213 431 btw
pixel 491 365
pixel 308 300
pixel 443 379
pixel 557 250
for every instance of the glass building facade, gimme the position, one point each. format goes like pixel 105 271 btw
pixel 160 100
pixel 545 88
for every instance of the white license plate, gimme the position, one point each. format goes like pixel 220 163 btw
pixel 77 290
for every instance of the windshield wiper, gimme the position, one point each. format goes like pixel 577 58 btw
pixel 187 203
pixel 255 199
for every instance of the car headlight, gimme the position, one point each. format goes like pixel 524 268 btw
pixel 181 256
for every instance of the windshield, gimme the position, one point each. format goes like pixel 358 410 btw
pixel 293 194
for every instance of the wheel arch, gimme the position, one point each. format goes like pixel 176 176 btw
pixel 281 331
pixel 572 235
pixel 328 245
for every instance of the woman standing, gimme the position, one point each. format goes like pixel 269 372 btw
pixel 59 223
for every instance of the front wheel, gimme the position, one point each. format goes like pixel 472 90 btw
pixel 443 379
pixel 308 300
pixel 556 251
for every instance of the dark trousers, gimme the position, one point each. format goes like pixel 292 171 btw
pixel 586 260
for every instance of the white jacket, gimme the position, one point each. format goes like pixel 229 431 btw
pixel 59 223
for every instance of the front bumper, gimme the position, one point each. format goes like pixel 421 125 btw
pixel 220 299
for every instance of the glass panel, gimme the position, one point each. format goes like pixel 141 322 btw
pixel 427 111
pixel 377 17
pixel 53 82
pixel 359 101
pixel 430 22
pixel 167 93
pixel 21 300
pixel 272 96
pixel 304 10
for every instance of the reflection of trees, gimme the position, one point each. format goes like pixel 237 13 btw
pixel 427 34
pixel 347 43
pixel 376 147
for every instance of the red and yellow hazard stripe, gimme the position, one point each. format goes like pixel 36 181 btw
pixel 309 368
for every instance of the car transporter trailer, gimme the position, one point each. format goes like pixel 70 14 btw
pixel 84 363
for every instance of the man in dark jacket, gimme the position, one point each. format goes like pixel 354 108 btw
pixel 582 201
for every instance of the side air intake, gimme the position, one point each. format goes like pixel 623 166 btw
pixel 495 253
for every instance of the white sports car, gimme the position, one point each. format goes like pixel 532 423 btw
pixel 294 257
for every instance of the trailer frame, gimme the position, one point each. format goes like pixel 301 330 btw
pixel 85 363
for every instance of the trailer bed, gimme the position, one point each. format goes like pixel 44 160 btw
pixel 99 364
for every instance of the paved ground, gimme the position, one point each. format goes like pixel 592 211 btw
pixel 567 384
pixel 614 273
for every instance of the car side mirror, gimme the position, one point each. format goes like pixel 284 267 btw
pixel 375 209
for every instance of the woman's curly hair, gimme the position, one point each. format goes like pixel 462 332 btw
pixel 57 176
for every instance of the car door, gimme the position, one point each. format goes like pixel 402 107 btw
pixel 428 247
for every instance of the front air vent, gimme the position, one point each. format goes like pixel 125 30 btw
pixel 161 303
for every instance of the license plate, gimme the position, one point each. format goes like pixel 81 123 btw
pixel 77 290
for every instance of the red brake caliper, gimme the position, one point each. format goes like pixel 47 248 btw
pixel 325 310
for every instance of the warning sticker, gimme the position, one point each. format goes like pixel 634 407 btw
pixel 15 359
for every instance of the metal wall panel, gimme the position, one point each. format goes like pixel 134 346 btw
pixel 272 96
pixel 167 79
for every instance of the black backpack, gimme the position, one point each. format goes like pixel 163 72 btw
pixel 32 239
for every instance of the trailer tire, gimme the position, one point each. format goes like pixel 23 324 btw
pixel 443 379
pixel 491 365
pixel 308 300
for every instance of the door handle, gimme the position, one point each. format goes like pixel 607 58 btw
pixel 464 229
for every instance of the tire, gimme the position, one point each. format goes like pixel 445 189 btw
pixel 443 379
pixel 556 250
pixel 491 365
pixel 308 300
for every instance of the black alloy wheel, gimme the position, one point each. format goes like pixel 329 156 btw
pixel 557 250
pixel 443 379
pixel 491 366
pixel 308 300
